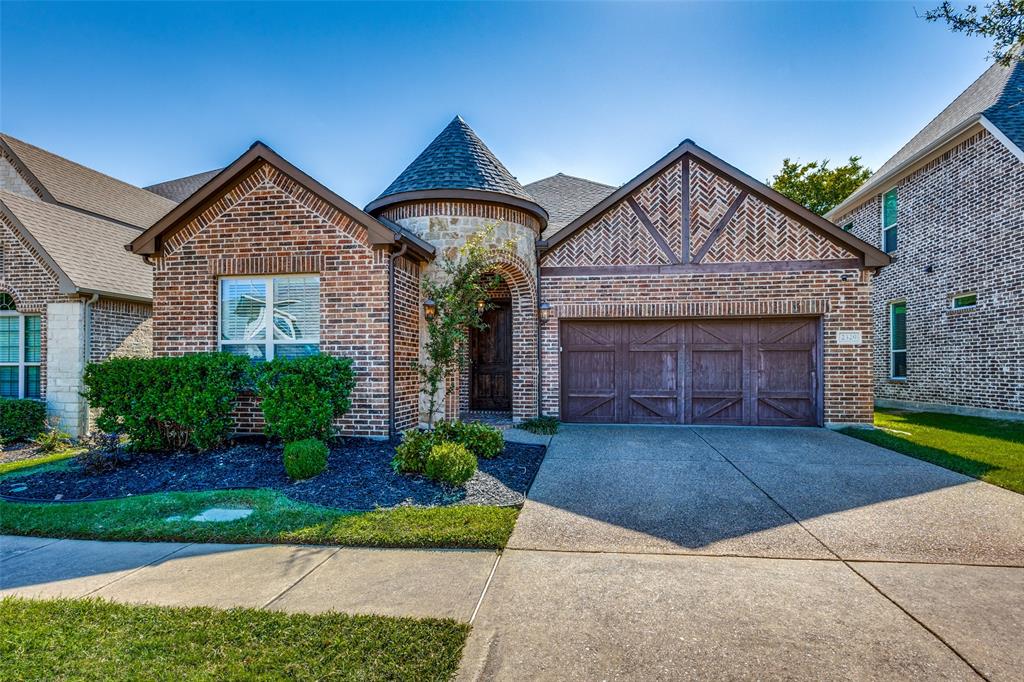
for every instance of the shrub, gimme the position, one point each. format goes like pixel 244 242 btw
pixel 411 454
pixel 480 439
pixel 21 419
pixel 53 439
pixel 450 463
pixel 545 426
pixel 168 403
pixel 98 461
pixel 304 459
pixel 302 397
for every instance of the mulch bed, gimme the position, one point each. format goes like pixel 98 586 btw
pixel 358 477
pixel 13 452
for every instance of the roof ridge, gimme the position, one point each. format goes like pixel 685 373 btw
pixel 574 177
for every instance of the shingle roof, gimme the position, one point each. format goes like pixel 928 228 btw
pixel 457 159
pixel 75 185
pixel 179 189
pixel 566 197
pixel 89 251
pixel 998 95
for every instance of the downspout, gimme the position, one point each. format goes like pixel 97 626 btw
pixel 540 324
pixel 391 337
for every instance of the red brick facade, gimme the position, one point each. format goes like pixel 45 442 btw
pixel 960 219
pixel 268 224
pixel 824 278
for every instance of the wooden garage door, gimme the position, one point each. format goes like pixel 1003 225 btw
pixel 763 371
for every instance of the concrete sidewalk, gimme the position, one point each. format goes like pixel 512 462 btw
pixel 291 578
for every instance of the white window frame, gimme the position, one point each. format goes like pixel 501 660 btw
pixel 269 342
pixel 896 224
pixel 954 297
pixel 21 363
pixel 892 341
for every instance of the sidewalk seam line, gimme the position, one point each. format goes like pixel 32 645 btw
pixel 487 584
pixel 52 541
pixel 136 570
pixel 301 578
pixel 916 620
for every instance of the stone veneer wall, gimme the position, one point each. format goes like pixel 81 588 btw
pixel 446 224
pixel 962 215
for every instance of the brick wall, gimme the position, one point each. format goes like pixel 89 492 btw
pixel 962 216
pixel 407 343
pixel 268 224
pixel 120 329
pixel 828 283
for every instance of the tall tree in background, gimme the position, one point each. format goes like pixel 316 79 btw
pixel 817 186
pixel 1002 21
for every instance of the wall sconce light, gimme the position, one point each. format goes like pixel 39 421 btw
pixel 429 309
pixel 544 311
pixel 480 305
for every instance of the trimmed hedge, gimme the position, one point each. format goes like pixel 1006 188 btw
pixel 21 419
pixel 168 403
pixel 302 397
pixel 304 459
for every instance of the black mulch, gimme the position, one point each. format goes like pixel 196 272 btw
pixel 19 450
pixel 358 477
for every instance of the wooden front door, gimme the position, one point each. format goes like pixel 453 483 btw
pixel 490 354
pixel 730 371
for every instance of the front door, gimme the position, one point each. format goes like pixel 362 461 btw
pixel 490 354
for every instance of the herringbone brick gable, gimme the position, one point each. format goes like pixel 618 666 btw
pixel 757 231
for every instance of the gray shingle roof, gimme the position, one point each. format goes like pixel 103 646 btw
pixel 998 95
pixel 75 185
pixel 457 159
pixel 179 189
pixel 89 251
pixel 566 197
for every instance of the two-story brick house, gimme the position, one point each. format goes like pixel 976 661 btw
pixel 69 294
pixel 691 294
pixel 949 208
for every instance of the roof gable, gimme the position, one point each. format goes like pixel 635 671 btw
pixel 73 185
pixel 149 242
pixel 179 189
pixel 86 253
pixel 731 201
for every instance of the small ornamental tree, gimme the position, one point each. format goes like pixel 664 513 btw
pixel 463 280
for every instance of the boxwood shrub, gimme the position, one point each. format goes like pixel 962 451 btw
pixel 482 440
pixel 301 397
pixel 21 419
pixel 305 459
pixel 450 463
pixel 411 453
pixel 167 403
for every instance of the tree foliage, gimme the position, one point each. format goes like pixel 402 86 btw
pixel 817 186
pixel 462 280
pixel 1001 21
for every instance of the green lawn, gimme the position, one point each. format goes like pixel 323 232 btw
pixel 86 639
pixel 988 449
pixel 8 467
pixel 275 519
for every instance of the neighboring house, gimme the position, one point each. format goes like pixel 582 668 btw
pixel 69 293
pixel 949 209
pixel 691 294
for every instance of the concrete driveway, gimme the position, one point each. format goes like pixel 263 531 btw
pixel 722 553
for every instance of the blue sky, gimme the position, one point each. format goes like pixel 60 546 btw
pixel 352 92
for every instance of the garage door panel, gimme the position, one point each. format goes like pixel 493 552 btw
pixel 763 371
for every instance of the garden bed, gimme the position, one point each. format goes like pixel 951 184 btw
pixel 358 477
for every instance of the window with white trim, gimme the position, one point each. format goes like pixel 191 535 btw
pixel 961 301
pixel 890 206
pixel 898 340
pixel 20 352
pixel 270 317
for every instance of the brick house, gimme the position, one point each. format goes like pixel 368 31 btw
pixel 68 291
pixel 691 294
pixel 949 209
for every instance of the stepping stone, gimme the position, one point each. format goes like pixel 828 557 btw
pixel 219 514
